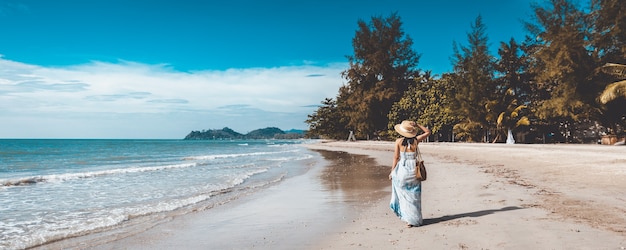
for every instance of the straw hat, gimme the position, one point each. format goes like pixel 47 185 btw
pixel 406 129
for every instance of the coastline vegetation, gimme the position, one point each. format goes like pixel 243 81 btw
pixel 563 83
pixel 229 134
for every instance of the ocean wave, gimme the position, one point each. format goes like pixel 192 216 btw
pixel 221 156
pixel 241 179
pixel 66 226
pixel 73 176
pixel 292 158
pixel 62 226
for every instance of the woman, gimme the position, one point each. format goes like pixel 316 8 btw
pixel 406 190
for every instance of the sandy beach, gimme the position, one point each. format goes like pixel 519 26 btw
pixel 478 196
pixel 496 196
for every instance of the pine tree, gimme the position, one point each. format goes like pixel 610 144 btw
pixel 563 65
pixel 381 70
pixel 326 121
pixel 609 42
pixel 512 91
pixel 473 82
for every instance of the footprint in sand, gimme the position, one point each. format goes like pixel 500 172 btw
pixel 461 222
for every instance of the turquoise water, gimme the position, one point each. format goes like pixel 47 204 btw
pixel 54 189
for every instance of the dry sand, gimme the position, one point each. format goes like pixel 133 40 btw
pixel 496 196
pixel 478 196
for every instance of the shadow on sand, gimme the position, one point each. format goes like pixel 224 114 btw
pixel 472 214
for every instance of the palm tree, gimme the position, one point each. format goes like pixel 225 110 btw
pixel 613 91
pixel 510 119
pixel 508 114
pixel 617 89
pixel 614 95
pixel 467 130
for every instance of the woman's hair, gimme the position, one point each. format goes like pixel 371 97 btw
pixel 406 141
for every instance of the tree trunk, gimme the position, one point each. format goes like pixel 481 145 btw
pixel 509 138
pixel 497 137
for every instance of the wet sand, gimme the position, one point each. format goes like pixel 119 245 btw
pixel 296 213
pixel 478 196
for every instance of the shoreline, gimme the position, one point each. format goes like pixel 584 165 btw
pixel 478 196
pixel 298 212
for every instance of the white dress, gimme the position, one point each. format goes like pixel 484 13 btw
pixel 406 190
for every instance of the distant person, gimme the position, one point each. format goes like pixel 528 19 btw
pixel 406 190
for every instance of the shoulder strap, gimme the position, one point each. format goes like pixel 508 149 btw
pixel 419 155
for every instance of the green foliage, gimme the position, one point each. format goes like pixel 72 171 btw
pixel 552 82
pixel 609 44
pixel 427 103
pixel 265 133
pixel 473 82
pixel 564 67
pixel 609 30
pixel 613 92
pixel 509 113
pixel 227 133
pixel 613 99
pixel 512 70
pixel 523 121
pixel 467 130
pixel 381 70
pixel 327 121
pixel 512 91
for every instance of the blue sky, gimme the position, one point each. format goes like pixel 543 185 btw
pixel 160 69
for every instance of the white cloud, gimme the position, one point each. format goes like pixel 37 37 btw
pixel 108 96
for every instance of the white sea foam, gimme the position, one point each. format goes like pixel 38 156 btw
pixel 292 158
pixel 54 227
pixel 157 177
pixel 219 156
pixel 72 176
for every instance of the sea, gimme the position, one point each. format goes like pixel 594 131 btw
pixel 53 189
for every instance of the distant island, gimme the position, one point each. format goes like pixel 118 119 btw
pixel 227 133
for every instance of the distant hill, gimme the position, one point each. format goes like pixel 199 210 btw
pixel 295 131
pixel 211 134
pixel 264 133
pixel 227 133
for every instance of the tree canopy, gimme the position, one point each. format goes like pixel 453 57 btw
pixel 561 80
pixel 382 68
pixel 473 82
